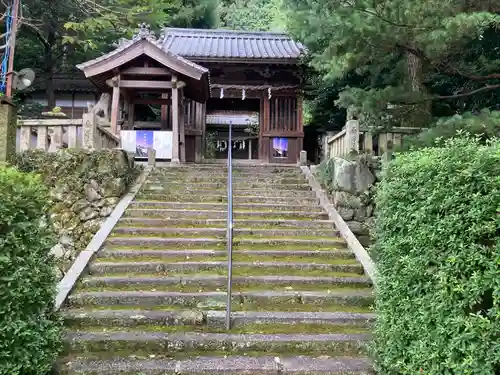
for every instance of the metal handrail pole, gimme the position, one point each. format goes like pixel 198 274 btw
pixel 229 228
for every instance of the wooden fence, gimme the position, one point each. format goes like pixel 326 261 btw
pixel 54 134
pixel 352 138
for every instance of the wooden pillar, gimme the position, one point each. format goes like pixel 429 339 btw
pixel 175 121
pixel 164 113
pixel 182 127
pixel 264 146
pixel 131 112
pixel 115 105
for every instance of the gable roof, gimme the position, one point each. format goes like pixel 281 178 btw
pixel 146 44
pixel 136 48
pixel 206 45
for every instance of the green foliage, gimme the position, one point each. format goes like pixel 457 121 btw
pixel 252 15
pixel 420 59
pixel 324 173
pixel 438 255
pixel 486 125
pixel 210 145
pixel 29 329
pixel 111 20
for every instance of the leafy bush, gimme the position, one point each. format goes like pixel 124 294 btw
pixel 29 329
pixel 438 258
pixel 485 124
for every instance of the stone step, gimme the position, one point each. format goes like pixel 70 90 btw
pixel 219 281
pixel 223 179
pixel 211 319
pixel 227 365
pixel 222 232
pixel 238 199
pixel 183 342
pixel 212 300
pixel 309 255
pixel 223 169
pixel 222 223
pixel 223 192
pixel 243 185
pixel 215 243
pixel 103 267
pixel 222 214
pixel 254 207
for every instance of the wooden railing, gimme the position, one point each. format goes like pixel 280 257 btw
pixel 352 138
pixel 344 141
pixel 379 143
pixel 106 139
pixel 54 134
pixel 49 134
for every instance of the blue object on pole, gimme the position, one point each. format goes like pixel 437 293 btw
pixel 5 57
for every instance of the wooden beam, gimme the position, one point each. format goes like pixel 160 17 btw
pixel 144 71
pixel 139 84
pixel 153 101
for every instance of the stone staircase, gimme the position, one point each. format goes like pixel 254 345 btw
pixel 154 298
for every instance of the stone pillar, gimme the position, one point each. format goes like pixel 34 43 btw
pixel 175 122
pixel 151 157
pixel 89 122
pixel 303 157
pixel 115 105
pixel 8 118
pixel 352 135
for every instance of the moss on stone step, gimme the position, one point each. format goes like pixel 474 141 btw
pixel 274 328
pixel 176 349
pixel 247 271
pixel 236 258
pixel 236 288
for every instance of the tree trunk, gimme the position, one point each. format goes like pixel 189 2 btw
pixel 48 65
pixel 421 113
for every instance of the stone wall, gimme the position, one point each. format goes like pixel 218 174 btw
pixel 350 183
pixel 85 186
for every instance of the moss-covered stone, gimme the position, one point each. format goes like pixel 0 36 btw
pixel 85 186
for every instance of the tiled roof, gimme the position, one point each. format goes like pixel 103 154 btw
pixel 200 43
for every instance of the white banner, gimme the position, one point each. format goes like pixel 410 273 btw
pixel 138 142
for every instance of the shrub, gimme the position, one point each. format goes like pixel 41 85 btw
pixel 438 259
pixel 484 124
pixel 29 329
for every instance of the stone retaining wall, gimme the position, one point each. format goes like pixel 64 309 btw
pixel 350 183
pixel 85 186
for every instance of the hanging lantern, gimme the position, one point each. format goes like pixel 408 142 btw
pixel 269 92
pixel 222 92
pixel 243 94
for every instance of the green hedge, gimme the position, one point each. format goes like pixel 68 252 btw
pixel 438 259
pixel 29 329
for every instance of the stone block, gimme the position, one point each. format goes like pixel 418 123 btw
pixel 344 199
pixel 303 157
pixel 352 176
pixel 346 212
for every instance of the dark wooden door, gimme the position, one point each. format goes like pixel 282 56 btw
pixel 190 149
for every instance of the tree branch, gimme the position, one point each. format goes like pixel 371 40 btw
pixel 37 32
pixel 383 19
pixel 455 96
pixel 448 69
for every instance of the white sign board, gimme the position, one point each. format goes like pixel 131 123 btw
pixel 138 142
